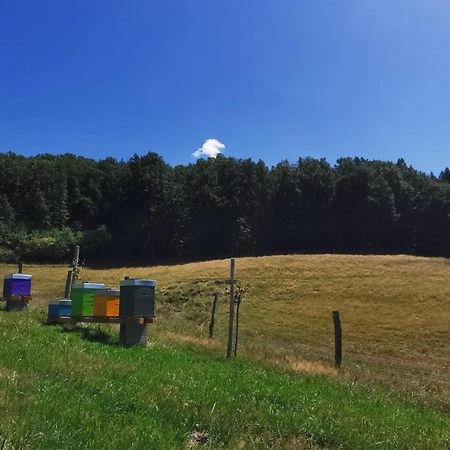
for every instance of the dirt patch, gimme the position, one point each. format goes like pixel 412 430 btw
pixel 198 438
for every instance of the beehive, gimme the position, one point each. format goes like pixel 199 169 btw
pixel 16 284
pixel 59 308
pixel 82 297
pixel 137 297
pixel 106 303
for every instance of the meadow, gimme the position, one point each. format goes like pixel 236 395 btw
pixel 63 387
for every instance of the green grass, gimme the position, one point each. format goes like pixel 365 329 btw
pixel 61 389
pixel 395 313
pixel 79 389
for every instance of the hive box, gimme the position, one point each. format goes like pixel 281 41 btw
pixel 82 297
pixel 137 298
pixel 59 308
pixel 16 284
pixel 106 303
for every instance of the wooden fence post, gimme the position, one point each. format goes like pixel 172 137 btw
pixel 213 314
pixel 68 289
pixel 76 261
pixel 20 264
pixel 238 304
pixel 231 318
pixel 337 339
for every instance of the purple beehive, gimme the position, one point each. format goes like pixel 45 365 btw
pixel 16 284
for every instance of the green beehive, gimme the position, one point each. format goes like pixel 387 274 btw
pixel 137 298
pixel 82 297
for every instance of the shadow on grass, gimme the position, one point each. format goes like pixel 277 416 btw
pixel 92 334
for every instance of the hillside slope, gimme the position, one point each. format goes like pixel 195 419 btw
pixel 395 313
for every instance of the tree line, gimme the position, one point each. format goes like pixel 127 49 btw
pixel 144 211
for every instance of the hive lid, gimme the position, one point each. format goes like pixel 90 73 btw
pixel 138 282
pixel 17 276
pixel 109 292
pixel 61 301
pixel 88 285
pixel 65 301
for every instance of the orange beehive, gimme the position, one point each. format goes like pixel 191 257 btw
pixel 106 303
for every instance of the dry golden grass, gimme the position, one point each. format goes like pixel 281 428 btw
pixel 204 342
pixel 395 312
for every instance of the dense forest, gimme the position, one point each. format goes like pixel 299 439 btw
pixel 145 211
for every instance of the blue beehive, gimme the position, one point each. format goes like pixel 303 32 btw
pixel 16 284
pixel 59 308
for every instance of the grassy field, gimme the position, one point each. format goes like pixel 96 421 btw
pixel 393 390
pixel 78 389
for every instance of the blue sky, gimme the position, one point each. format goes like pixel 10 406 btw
pixel 268 79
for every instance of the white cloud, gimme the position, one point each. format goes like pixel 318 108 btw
pixel 210 148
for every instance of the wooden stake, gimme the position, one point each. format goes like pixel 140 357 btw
pixel 68 289
pixel 337 339
pixel 231 318
pixel 76 262
pixel 20 264
pixel 237 326
pixel 213 314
